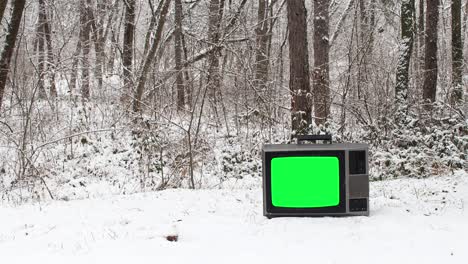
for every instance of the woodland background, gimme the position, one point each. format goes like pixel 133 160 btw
pixel 124 96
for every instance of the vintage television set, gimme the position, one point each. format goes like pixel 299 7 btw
pixel 315 179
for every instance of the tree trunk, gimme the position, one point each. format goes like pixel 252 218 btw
pixel 430 58
pixel 50 52
pixel 149 58
pixel 187 75
pixel 85 42
pixel 3 5
pixel 457 53
pixel 127 56
pixel 41 64
pixel 152 25
pixel 406 49
pixel 299 84
pixel 321 69
pixel 261 57
pixel 96 36
pixel 74 68
pixel 9 46
pixel 216 8
pixel 421 34
pixel 178 55
pixel 418 52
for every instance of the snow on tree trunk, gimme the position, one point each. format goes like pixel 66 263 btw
pixel 299 84
pixel 321 67
pixel 9 46
pixel 178 55
pixel 127 55
pixel 406 48
pixel 261 57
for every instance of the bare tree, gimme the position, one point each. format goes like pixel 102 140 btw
pixel 74 67
pixel 321 77
pixel 421 23
pixel 406 49
pixel 85 31
pixel 51 66
pixel 457 53
pixel 9 47
pixel 127 54
pixel 261 56
pixel 97 36
pixel 178 55
pixel 299 85
pixel 40 42
pixel 430 61
pixel 46 64
pixel 216 11
pixel 146 64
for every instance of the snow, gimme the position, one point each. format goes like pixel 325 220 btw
pixel 412 220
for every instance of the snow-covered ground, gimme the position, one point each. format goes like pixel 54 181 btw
pixel 411 221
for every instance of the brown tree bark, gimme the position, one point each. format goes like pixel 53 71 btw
pixel 127 55
pixel 299 84
pixel 321 69
pixel 180 87
pixel 457 53
pixel 146 65
pixel 430 57
pixel 9 47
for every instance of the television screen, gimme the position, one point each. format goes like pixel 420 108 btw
pixel 305 181
pixel 315 179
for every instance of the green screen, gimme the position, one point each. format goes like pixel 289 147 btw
pixel 305 182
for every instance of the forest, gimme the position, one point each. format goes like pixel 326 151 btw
pixel 137 131
pixel 128 96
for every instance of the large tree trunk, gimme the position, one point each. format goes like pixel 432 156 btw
pixel 299 84
pixel 321 69
pixel 430 58
pixel 178 55
pixel 3 5
pixel 457 53
pixel 406 49
pixel 127 56
pixel 9 46
pixel 148 61
pixel 85 29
